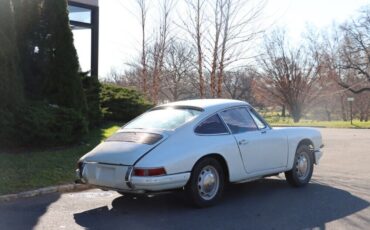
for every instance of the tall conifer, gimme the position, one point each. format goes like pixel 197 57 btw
pixel 62 85
pixel 10 81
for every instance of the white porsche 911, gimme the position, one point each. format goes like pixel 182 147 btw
pixel 199 146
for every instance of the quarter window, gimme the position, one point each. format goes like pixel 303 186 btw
pixel 239 120
pixel 259 122
pixel 212 125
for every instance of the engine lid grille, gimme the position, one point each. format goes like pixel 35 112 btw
pixel 136 137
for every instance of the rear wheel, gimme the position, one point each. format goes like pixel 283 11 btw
pixel 206 183
pixel 302 170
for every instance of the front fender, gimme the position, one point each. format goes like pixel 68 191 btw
pixel 296 136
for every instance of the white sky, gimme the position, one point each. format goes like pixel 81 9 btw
pixel 120 32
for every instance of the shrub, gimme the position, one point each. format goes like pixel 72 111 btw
pixel 42 125
pixel 121 104
pixel 6 130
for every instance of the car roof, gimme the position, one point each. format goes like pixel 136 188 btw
pixel 207 104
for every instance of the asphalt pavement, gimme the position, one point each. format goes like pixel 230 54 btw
pixel 338 197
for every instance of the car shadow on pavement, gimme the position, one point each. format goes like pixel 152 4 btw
pixel 25 213
pixel 264 204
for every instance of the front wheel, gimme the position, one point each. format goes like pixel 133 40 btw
pixel 206 183
pixel 302 170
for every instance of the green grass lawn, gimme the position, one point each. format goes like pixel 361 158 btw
pixel 326 124
pixel 31 170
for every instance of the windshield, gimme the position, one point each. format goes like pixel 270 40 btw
pixel 164 118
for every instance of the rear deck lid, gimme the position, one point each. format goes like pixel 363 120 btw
pixel 124 148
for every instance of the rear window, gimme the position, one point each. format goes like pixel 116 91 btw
pixel 164 119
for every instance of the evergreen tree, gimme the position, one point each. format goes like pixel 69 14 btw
pixel 62 82
pixel 27 23
pixel 10 81
pixel 92 87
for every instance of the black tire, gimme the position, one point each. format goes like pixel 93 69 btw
pixel 204 171
pixel 294 176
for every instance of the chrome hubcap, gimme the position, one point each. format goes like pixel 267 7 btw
pixel 208 182
pixel 302 166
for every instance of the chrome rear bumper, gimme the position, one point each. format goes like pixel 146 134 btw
pixel 158 183
pixel 119 178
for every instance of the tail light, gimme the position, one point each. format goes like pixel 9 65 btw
pixel 149 171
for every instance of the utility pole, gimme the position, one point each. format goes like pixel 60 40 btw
pixel 350 100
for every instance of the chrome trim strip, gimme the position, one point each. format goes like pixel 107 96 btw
pixel 102 163
pixel 128 177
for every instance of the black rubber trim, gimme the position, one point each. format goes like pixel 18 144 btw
pixel 178 107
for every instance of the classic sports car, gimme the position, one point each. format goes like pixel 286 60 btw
pixel 199 146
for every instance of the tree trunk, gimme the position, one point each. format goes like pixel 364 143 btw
pixel 283 114
pixel 296 117
pixel 328 113
pixel 200 53
pixel 296 113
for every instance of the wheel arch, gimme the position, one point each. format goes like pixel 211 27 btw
pixel 221 160
pixel 306 141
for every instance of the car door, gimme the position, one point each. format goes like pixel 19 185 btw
pixel 260 148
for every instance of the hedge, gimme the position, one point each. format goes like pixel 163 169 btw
pixel 39 125
pixel 121 104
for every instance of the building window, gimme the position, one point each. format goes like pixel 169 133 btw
pixel 84 21
pixel 79 14
pixel 82 41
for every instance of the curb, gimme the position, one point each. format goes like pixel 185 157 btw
pixel 46 190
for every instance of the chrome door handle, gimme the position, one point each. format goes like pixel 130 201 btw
pixel 243 142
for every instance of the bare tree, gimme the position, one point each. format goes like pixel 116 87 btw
pixel 178 71
pixel 144 69
pixel 239 84
pixel 128 78
pixel 218 19
pixel 160 47
pixel 355 50
pixel 239 26
pixel 196 29
pixel 289 75
pixel 114 76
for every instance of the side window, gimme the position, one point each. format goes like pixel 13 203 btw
pixel 256 119
pixel 239 120
pixel 212 125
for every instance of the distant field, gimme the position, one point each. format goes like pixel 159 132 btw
pixel 327 124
